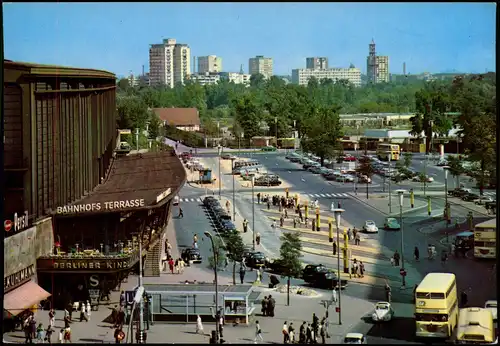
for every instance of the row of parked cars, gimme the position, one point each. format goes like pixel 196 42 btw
pixel 312 164
pixel 467 195
pixel 219 216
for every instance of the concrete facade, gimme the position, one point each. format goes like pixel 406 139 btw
pixel 301 76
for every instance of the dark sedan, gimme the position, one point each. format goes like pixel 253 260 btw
pixel 469 197
pixel 255 260
pixel 191 255
pixel 314 170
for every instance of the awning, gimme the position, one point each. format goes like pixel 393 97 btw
pixel 24 297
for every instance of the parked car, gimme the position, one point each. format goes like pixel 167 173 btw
pixel 310 163
pixel 370 227
pixel 255 259
pixel 422 179
pixel 354 338
pixel 276 266
pixel 267 180
pixel 315 169
pixel 383 312
pixel 459 191
pixel 191 254
pixel 268 148
pixel 348 178
pixel 228 157
pixel 491 207
pixel 320 276
pixel 483 200
pixel 391 224
pixel 469 197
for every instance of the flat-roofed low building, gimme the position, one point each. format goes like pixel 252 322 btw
pixel 302 76
pixel 206 78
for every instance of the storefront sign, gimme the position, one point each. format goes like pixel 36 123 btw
pixel 94 281
pixel 90 264
pixel 20 222
pixel 18 278
pixel 105 206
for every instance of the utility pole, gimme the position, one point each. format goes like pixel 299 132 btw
pixel 141 303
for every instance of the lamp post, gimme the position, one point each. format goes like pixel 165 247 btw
pixel 403 273
pixel 253 215
pixel 219 151
pixel 141 304
pixel 276 129
pixel 337 212
pixel 234 208
pixel 207 234
pixel 390 176
pixel 446 199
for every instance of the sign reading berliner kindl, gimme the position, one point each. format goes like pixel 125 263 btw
pixel 100 206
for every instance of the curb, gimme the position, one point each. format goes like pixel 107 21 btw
pixel 382 212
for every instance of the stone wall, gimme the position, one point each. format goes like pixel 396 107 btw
pixel 22 250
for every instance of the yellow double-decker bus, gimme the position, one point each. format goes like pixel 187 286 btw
pixel 386 151
pixel 485 239
pixel 436 306
pixel 475 326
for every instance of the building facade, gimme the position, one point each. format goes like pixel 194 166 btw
pixel 317 63
pixel 206 78
pixel 377 66
pixel 261 65
pixel 302 76
pixel 169 63
pixel 235 77
pixel 209 64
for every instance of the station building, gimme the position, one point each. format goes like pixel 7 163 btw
pixel 75 211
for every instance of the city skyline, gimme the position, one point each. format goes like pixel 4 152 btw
pixel 459 37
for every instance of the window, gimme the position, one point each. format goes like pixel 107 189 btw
pixel 429 295
pixel 431 317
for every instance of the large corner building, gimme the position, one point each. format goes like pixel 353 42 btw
pixel 169 63
pixel 77 210
pixel 261 65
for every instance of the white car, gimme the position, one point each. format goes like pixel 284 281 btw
pixel 370 227
pixel 354 338
pixel 492 306
pixel 383 312
pixel 349 178
pixel 483 200
pixel 427 179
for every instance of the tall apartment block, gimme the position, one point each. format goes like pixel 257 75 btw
pixel 317 63
pixel 377 67
pixel 209 64
pixel 169 63
pixel 301 76
pixel 261 65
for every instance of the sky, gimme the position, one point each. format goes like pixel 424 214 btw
pixel 429 37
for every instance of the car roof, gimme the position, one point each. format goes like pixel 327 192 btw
pixel 490 302
pixel 370 221
pixel 354 335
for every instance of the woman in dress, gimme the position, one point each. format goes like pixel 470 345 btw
pixel 199 325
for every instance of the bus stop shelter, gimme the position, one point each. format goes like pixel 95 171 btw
pixel 183 302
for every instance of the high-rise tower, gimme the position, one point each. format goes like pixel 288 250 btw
pixel 372 63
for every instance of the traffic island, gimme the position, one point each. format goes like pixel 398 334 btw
pixel 380 202
pixel 297 290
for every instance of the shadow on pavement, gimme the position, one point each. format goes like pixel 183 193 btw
pixel 400 328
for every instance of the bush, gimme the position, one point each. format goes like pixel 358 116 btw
pixel 190 139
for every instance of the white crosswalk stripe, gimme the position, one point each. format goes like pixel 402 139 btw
pixel 322 195
pixel 330 195
pixel 190 200
pixel 488 193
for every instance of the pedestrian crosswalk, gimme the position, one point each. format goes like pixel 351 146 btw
pixel 488 193
pixel 327 195
pixel 191 200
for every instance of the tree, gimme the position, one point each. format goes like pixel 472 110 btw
pixel 219 254
pixel 123 84
pixel 247 115
pixel 132 112
pixel 290 254
pixel 323 131
pixel 154 125
pixel 235 248
pixel 455 167
pixel 257 80
pixel 366 168
pixel 407 159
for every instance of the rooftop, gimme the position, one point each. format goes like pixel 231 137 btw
pixel 40 69
pixel 197 288
pixel 178 116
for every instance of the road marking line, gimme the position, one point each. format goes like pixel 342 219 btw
pixel 345 194
pixel 322 195
pixel 329 195
pixel 198 200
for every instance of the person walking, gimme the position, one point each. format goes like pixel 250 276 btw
pixel 61 336
pixel 48 334
pixel 83 310
pixel 245 226
pixel 349 234
pixel 40 334
pixel 257 238
pixel 264 304
pixel 258 197
pixel 199 325
pixel 242 274
pixel 355 268
pixel 396 258
pixel 357 240
pixel 284 331
pixel 334 246
pixel 444 257
pixel 67 335
pixel 258 332
pixel 388 293
pixel 176 266
pixel 89 310
pixel 302 333
pixel 309 336
pixel 171 264
pixel 52 319
pixel 416 253
pixel 361 269
pixel 334 295
pixel 181 213
pixel 322 333
pixel 271 306
pixel 354 232
pixel 291 333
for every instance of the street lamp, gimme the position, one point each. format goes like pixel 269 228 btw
pixel 403 274
pixel 337 212
pixel 219 151
pixel 390 177
pixel 276 129
pixel 446 199
pixel 253 215
pixel 207 234
pixel 232 172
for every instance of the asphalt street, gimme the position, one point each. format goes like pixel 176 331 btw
pixel 471 274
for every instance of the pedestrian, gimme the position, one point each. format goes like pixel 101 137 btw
pixel 257 238
pixel 286 214
pixel 392 261
pixel 282 221
pixel 315 326
pixel 268 204
pixel 388 293
pixel 171 264
pixel 82 312
pixel 339 205
pixel 114 316
pixel 334 248
pixel 444 257
pixel 48 334
pixel 199 325
pixel 302 333
pixel 313 226
pixel 52 319
pixel 416 253
pixel 181 213
pixel 221 324
pixel 89 310
pixel 258 332
pixel 168 249
pixel 349 234
pixel 271 306
pixel 67 335
pixel 258 197
pixel 61 336
pixel 264 303
pixel 361 269
pixel 294 222
pixel 309 336
pixel 354 232
pixel 119 335
pixel 291 333
pixel 396 258
pixel 40 333
pixel 33 327
pixel 245 226
pixel 176 266
pixel 357 240
pixel 322 333
pixel 70 310
pixel 66 322
pixel 300 216
pixel 334 295
pixel 242 274
pixel 121 316
pixel 284 330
